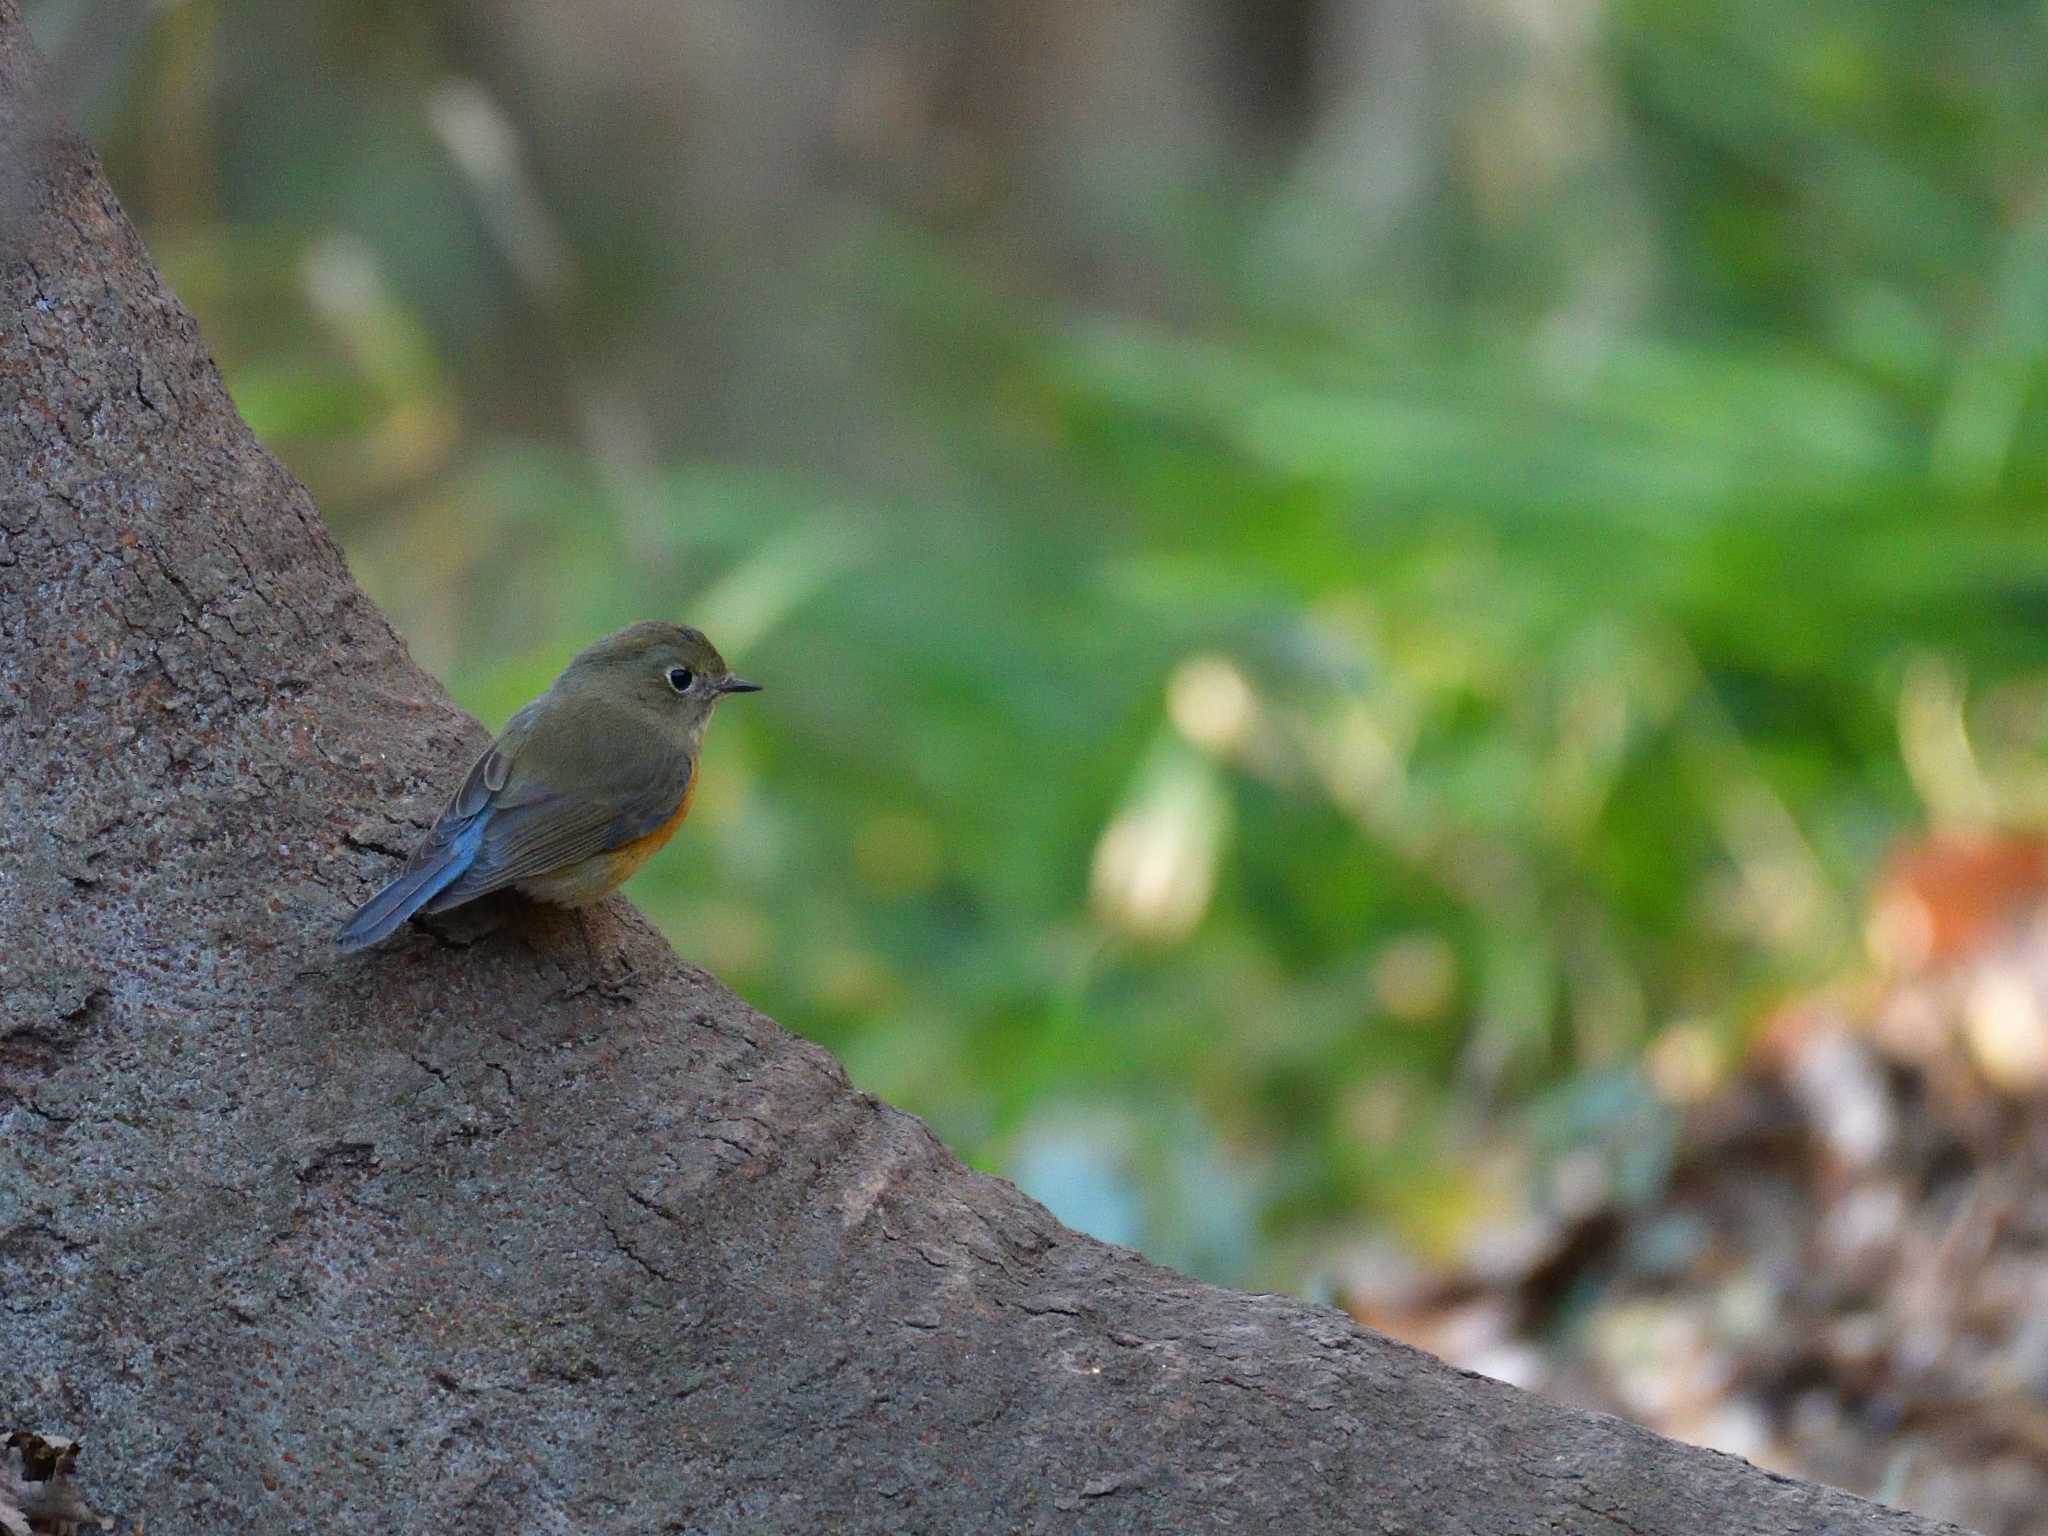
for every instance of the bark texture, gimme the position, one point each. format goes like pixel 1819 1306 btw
pixel 498 1230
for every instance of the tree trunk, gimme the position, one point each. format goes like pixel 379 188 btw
pixel 512 1229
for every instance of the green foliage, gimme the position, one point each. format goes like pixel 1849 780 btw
pixel 1259 750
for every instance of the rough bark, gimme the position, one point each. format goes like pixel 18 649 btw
pixel 500 1230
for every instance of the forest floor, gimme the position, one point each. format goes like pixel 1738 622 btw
pixel 1844 1276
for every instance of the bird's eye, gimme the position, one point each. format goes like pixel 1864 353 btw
pixel 680 678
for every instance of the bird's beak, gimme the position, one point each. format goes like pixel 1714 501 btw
pixel 738 685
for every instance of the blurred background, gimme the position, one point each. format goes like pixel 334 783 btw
pixel 1407 643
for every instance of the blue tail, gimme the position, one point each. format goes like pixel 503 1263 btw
pixel 435 865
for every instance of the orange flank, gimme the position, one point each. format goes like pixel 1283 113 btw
pixel 628 857
pixel 594 878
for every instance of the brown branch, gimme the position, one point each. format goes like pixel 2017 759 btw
pixel 498 1232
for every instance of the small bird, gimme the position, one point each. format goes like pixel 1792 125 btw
pixel 583 786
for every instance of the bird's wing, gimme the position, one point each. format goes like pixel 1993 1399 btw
pixel 538 823
pixel 450 847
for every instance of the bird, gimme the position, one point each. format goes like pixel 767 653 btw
pixel 582 787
